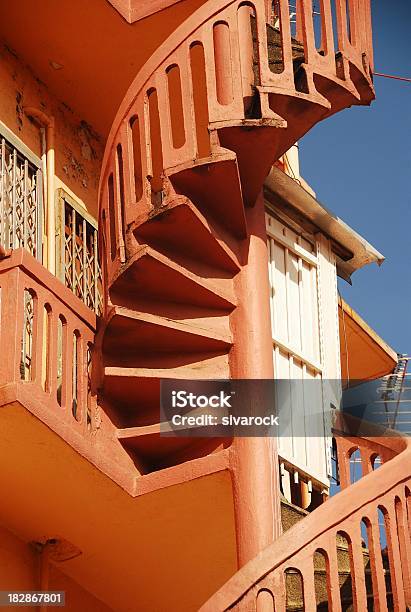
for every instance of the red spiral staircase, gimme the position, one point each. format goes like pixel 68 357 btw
pixel 186 295
pixel 184 165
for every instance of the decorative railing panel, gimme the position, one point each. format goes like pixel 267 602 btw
pixel 20 201
pixel 80 268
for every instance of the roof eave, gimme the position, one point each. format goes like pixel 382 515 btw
pixel 289 191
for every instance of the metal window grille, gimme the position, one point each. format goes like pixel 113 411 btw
pixel 79 265
pixel 20 201
pixel 27 339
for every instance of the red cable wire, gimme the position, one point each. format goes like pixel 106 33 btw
pixel 391 76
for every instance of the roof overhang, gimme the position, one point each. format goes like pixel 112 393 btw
pixel 364 355
pixel 134 10
pixel 352 250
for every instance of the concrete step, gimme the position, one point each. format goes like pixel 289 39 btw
pixel 155 277
pixel 181 232
pixel 141 333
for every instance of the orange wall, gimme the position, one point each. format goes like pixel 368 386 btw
pixel 19 571
pixel 170 549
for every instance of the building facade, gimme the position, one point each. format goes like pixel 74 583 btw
pixel 154 225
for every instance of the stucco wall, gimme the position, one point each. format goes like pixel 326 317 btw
pixel 19 564
pixel 78 147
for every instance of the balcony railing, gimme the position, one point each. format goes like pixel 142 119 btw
pixel 47 340
pixel 372 515
pixel 47 336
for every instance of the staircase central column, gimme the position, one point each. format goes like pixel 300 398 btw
pixel 254 461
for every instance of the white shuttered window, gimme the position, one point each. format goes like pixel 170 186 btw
pixel 303 311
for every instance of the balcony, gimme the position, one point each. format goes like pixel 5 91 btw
pixel 48 336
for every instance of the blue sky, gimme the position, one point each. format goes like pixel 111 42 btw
pixel 359 164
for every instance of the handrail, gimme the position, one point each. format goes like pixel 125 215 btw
pixel 186 29
pixel 387 489
pixel 34 269
pixel 179 36
pixel 236 71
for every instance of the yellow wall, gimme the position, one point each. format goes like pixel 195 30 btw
pixel 78 147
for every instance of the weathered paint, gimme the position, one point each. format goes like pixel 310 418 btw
pixel 78 148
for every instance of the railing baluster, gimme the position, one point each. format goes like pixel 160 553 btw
pixel 189 149
pixel 367 28
pixel 285 27
pixel 366 464
pixel 3 196
pixel 53 348
pixel 37 339
pixel 25 204
pixel 334 580
pixel 306 568
pixel 141 111
pixel 73 251
pixel 13 241
pixel 343 461
pixel 353 12
pixel 119 202
pixel 357 565
pixel 66 352
pixel 404 538
pixel 327 31
pixel 12 315
pixel 280 600
pixel 84 259
pixel 95 270
pixel 341 18
pixel 397 584
pixel 308 31
pixel 161 86
pixel 377 570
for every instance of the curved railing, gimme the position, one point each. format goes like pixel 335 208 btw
pixel 354 513
pixel 214 72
